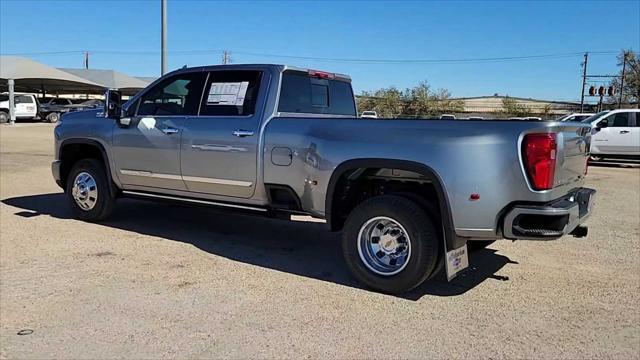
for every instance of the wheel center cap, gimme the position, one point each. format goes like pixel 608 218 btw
pixel 388 243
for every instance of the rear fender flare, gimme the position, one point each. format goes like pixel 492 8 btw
pixel 452 240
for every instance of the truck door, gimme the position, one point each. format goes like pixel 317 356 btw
pixel 220 146
pixel 25 106
pixel 147 152
pixel 617 138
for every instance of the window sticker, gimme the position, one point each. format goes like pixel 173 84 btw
pixel 227 93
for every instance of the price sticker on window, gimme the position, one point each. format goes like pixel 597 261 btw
pixel 227 93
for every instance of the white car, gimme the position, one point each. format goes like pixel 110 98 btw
pixel 26 107
pixel 575 117
pixel 369 114
pixel 615 134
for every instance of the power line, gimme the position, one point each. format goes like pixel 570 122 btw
pixel 428 61
pixel 328 59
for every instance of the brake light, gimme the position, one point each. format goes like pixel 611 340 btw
pixel 321 74
pixel 540 159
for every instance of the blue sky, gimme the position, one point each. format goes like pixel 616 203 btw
pixel 115 30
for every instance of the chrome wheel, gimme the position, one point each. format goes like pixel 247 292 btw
pixel 85 191
pixel 384 246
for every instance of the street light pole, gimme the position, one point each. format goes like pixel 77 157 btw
pixel 163 59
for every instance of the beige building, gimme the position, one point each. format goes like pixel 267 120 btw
pixel 491 105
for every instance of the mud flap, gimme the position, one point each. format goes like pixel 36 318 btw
pixel 456 256
pixel 456 261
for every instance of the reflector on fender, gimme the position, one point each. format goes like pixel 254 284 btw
pixel 539 152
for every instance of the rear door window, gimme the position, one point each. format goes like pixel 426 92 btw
pixel 231 93
pixel 300 93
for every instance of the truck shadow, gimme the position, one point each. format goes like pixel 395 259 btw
pixel 300 248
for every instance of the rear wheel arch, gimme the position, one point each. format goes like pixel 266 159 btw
pixel 334 220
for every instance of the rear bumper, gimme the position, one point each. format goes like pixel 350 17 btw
pixel 551 220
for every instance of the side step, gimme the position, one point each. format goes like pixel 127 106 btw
pixel 190 200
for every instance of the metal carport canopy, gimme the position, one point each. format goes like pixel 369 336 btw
pixel 32 76
pixel 110 79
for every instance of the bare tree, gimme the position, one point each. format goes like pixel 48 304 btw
pixel 631 91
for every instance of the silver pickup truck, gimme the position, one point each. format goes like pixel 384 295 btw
pixel 408 195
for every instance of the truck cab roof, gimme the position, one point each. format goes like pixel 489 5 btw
pixel 273 67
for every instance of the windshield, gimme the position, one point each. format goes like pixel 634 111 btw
pixel 591 118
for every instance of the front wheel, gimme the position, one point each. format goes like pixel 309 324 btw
pixel 390 244
pixel 88 191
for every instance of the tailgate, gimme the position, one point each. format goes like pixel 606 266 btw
pixel 573 140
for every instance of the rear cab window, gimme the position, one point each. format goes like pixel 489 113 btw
pixel 316 93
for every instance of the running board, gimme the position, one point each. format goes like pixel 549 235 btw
pixel 196 201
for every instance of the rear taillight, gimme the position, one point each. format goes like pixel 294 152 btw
pixel 540 159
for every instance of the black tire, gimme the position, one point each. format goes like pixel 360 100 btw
pixel 476 245
pixel 105 195
pixel 53 117
pixel 424 241
pixel 4 117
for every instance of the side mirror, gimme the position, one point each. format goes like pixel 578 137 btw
pixel 113 104
pixel 602 124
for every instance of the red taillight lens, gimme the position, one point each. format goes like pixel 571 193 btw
pixel 540 159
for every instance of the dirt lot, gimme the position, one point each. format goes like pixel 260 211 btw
pixel 168 281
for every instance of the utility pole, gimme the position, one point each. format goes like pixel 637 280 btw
pixel 86 60
pixel 624 69
pixel 86 66
pixel 163 51
pixel 226 57
pixel 600 103
pixel 584 80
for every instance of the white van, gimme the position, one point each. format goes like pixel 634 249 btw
pixel 615 134
pixel 26 107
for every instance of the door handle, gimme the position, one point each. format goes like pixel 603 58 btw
pixel 170 130
pixel 624 131
pixel 242 133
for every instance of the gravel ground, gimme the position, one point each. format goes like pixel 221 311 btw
pixel 158 280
